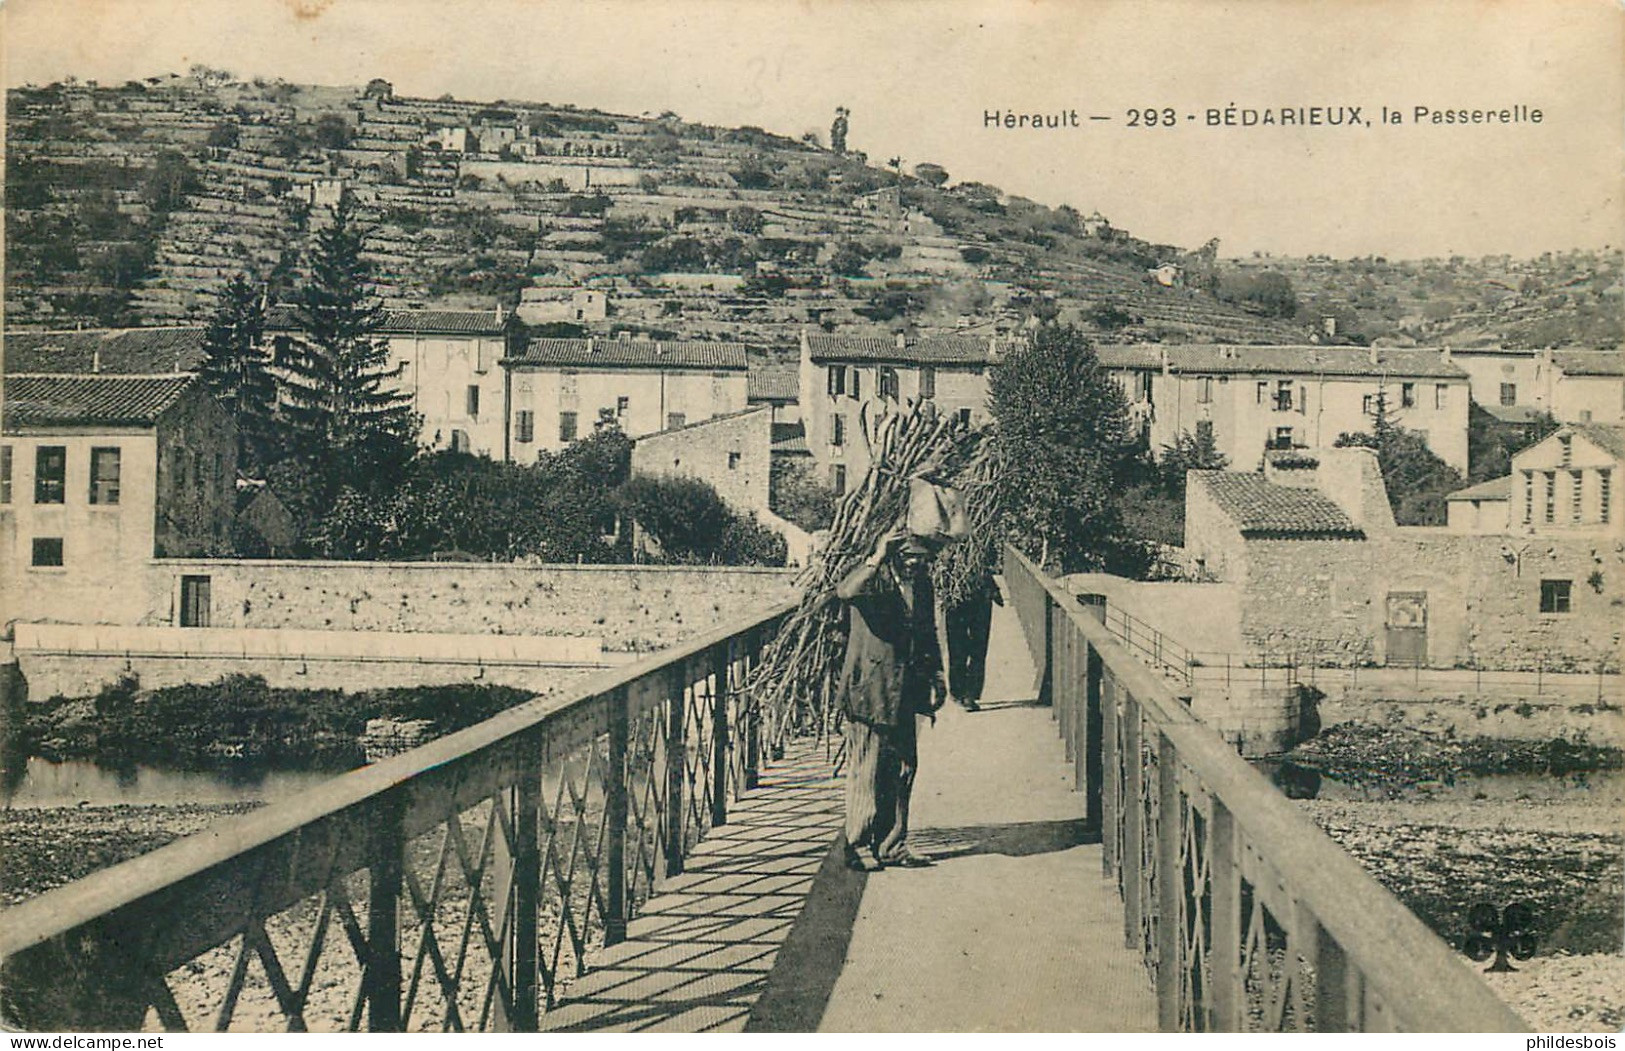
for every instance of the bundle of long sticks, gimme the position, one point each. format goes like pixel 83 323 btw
pixel 794 684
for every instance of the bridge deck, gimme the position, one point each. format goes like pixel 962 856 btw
pixel 1013 929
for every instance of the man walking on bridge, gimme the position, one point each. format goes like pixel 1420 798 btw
pixel 892 673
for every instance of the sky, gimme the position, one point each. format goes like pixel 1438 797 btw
pixel 920 77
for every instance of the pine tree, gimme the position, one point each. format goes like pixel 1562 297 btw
pixel 236 371
pixel 342 402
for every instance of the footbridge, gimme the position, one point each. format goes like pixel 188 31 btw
pixel 643 856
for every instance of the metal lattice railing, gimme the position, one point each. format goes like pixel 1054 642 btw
pixel 457 887
pixel 1247 916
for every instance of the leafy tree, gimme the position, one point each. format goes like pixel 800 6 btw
pixel 332 132
pixel 691 522
pixel 1491 442
pixel 796 493
pixel 168 181
pixel 745 219
pixel 341 400
pixel 1065 445
pixel 1416 479
pixel 935 174
pixel 1189 452
pixel 224 136
pixel 236 369
pixel 849 259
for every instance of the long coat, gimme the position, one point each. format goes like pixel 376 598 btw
pixel 892 657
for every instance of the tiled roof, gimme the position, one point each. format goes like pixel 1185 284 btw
pixel 36 401
pixel 408 322
pixel 1301 360
pixel 929 350
pixel 773 384
pixel 1512 413
pixel 793 446
pixel 1129 356
pixel 1608 437
pixel 630 353
pixel 1590 362
pixel 138 351
pixel 1263 509
pixel 1494 489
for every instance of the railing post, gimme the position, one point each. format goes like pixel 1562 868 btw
pixel 1089 770
pixel 1224 950
pixel 1170 888
pixel 615 808
pixel 1046 684
pixel 1064 688
pixel 676 757
pixel 1110 762
pixel 1133 822
pixel 720 664
pixel 527 882
pixel 750 715
pixel 1336 993
pixel 386 850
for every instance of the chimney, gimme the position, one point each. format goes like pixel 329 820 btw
pixel 96 359
pixel 1444 354
pixel 1371 354
pixel 589 344
pixel 901 341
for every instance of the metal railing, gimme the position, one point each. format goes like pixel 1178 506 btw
pixel 1247 916
pixel 454 887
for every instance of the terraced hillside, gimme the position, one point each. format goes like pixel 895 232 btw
pixel 132 204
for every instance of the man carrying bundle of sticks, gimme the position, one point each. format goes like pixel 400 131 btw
pixel 891 674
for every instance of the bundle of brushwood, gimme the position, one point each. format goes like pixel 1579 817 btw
pixel 794 685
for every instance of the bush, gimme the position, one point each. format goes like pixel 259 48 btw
pixel 797 494
pixel 691 523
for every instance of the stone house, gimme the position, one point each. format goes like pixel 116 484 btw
pixel 1575 386
pixel 1322 571
pixel 1252 399
pixel 846 379
pixel 730 453
pixel 1568 484
pixel 559 389
pixel 448 361
pixel 99 474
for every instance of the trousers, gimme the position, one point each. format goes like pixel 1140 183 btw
pixel 881 763
pixel 967 626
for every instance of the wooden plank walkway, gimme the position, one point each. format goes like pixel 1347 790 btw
pixel 1014 928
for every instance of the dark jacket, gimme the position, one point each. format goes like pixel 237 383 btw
pixel 892 657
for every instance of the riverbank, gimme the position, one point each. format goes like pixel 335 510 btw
pixel 47 847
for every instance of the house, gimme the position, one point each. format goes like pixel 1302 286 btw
pixel 779 388
pixel 99 474
pixel 1480 508
pixel 1575 386
pixel 559 389
pixel 1319 569
pixel 1250 399
pixel 845 380
pixel 447 361
pixel 137 351
pixel 1568 483
pixel 730 453
pixel 451 140
pixel 581 306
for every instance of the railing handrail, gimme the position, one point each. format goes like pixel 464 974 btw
pixel 1418 974
pixel 120 886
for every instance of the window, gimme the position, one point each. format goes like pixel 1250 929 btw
pixel 623 405
pixel 1509 394
pixel 5 474
pixel 837 478
pixel 1441 395
pixel 524 426
pixel 47 551
pixel 1407 395
pixel 1605 494
pixel 104 472
pixel 567 383
pixel 1528 497
pixel 1368 404
pixel 1576 494
pixel 675 420
pixel 1282 439
pixel 837 429
pixel 567 426
pixel 459 441
pixel 1283 396
pixel 733 461
pixel 928 381
pixel 837 380
pixel 854 383
pixel 1204 389
pixel 50 474
pixel 473 400
pixel 964 418
pixel 195 605
pixel 1554 596
pixel 1204 431
pixel 889 387
pixel 1565 443
pixel 1551 496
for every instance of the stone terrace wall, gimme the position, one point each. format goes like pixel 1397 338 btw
pixel 632 608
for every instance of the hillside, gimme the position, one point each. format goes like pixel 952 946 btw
pixel 132 204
